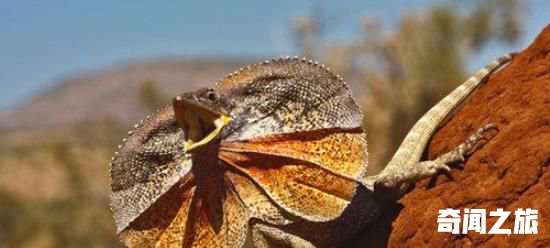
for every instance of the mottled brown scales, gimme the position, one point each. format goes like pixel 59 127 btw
pixel 339 152
pixel 273 156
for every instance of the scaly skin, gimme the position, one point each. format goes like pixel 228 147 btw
pixel 404 167
pixel 273 156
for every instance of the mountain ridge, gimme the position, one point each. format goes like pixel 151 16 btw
pixel 112 92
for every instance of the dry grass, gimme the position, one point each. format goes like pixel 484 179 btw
pixel 54 187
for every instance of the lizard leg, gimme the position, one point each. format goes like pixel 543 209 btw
pixel 269 237
pixel 413 172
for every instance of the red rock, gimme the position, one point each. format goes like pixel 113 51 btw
pixel 509 171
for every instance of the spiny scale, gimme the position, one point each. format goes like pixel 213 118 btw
pixel 283 59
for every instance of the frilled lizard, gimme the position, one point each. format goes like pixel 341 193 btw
pixel 273 156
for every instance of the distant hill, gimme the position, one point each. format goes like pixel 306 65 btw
pixel 114 93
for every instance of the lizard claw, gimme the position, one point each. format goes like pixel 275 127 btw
pixel 489 126
pixel 437 165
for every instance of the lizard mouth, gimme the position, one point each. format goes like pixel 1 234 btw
pixel 200 124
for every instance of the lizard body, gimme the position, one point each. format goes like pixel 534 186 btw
pixel 273 156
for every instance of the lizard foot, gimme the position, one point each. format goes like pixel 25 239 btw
pixel 415 171
pixel 457 154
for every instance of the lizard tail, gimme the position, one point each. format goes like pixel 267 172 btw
pixel 412 147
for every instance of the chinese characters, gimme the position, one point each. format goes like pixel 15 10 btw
pixel 449 220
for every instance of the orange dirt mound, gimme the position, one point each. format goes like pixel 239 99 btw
pixel 510 171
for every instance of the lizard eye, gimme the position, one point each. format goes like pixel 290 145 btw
pixel 211 96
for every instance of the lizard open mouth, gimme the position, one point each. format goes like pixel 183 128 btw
pixel 200 124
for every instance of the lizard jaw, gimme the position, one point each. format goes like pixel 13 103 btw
pixel 218 123
pixel 200 125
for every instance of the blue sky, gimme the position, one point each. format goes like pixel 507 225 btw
pixel 43 41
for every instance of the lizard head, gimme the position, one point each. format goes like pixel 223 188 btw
pixel 201 114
